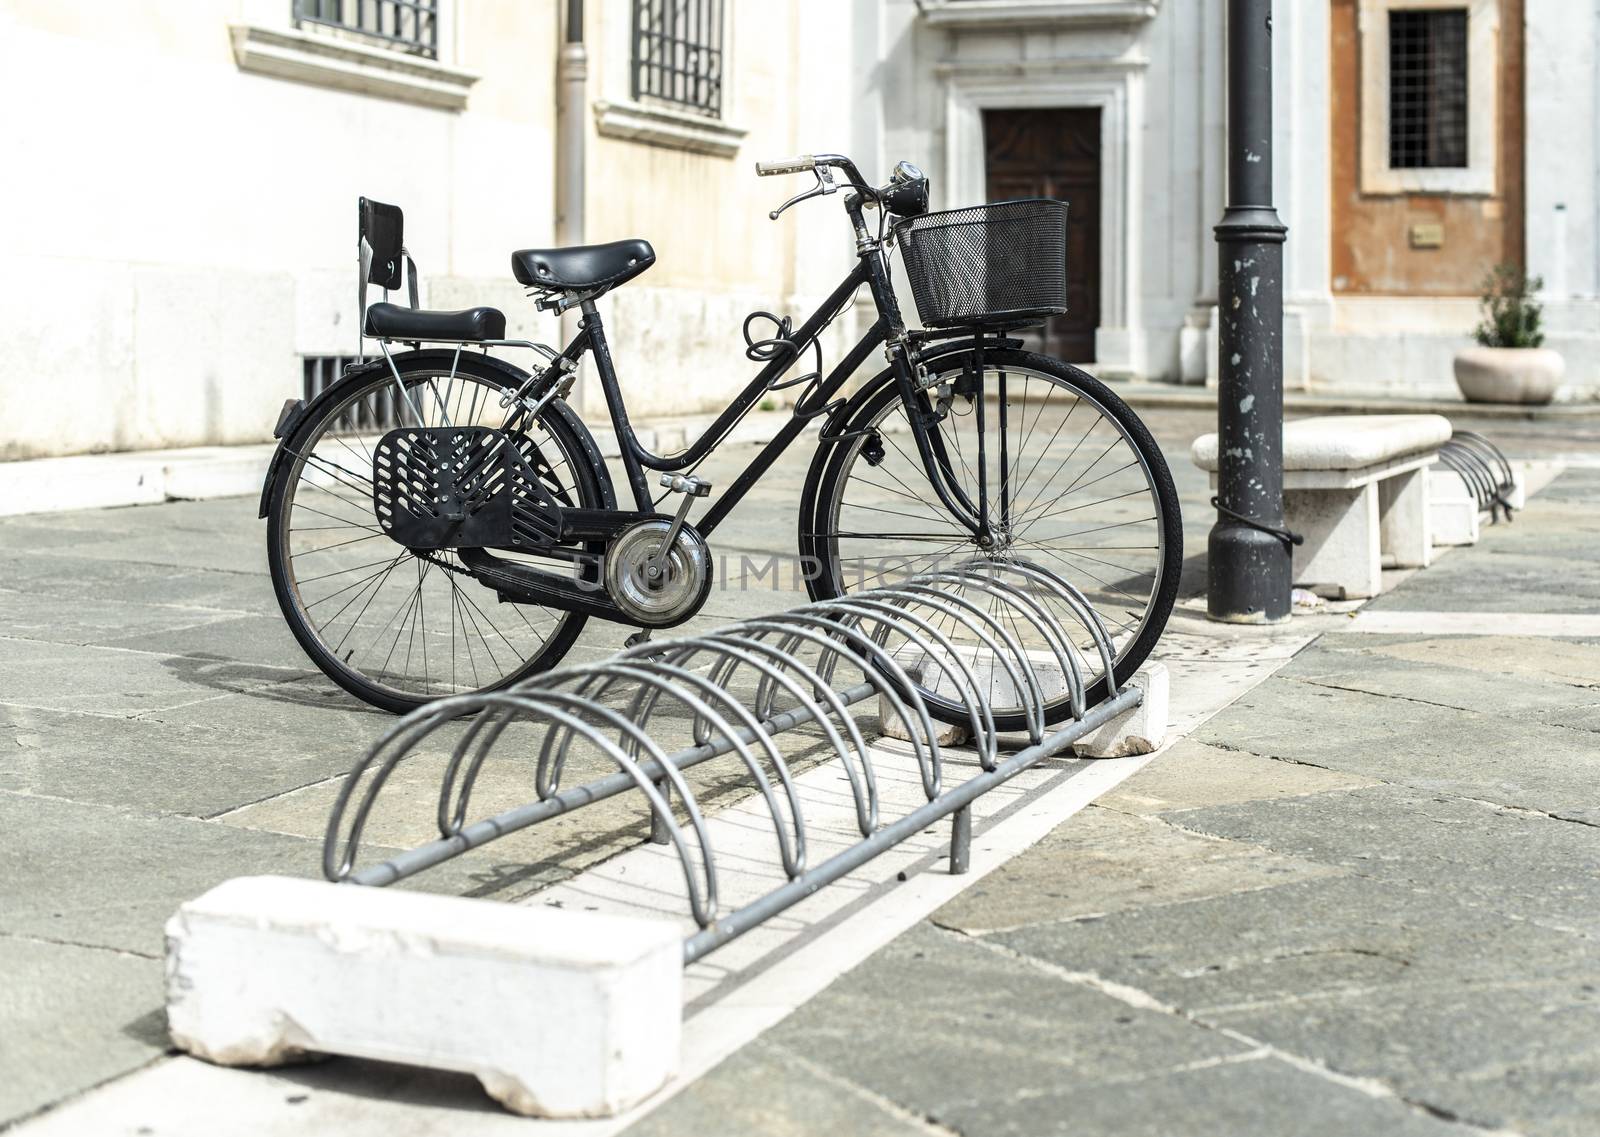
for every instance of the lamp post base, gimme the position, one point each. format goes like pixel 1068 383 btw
pixel 1249 575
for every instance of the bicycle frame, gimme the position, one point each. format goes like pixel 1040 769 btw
pixel 888 328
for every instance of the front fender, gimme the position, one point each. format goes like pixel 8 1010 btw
pixel 931 356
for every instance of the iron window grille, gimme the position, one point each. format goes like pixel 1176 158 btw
pixel 377 412
pixel 677 53
pixel 1427 88
pixel 410 26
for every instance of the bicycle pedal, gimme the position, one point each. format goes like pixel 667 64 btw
pixel 686 484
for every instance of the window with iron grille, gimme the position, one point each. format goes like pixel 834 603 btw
pixel 1427 88
pixel 677 53
pixel 411 26
pixel 375 412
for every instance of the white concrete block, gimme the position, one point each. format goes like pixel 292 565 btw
pixel 1453 517
pixel 1454 521
pixel 945 734
pixel 1340 558
pixel 1404 532
pixel 558 1013
pixel 1517 498
pixel 1139 731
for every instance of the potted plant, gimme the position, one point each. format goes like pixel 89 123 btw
pixel 1509 365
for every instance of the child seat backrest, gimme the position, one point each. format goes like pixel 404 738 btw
pixel 383 241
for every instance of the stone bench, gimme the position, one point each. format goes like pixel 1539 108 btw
pixel 1355 486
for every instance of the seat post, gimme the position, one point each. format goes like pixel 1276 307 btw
pixel 626 442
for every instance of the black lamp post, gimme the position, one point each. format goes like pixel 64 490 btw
pixel 1249 561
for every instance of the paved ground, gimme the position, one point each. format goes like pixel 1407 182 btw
pixel 1364 899
pixel 1360 899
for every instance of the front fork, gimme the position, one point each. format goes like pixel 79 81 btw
pixel 975 517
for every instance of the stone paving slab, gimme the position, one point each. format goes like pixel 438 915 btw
pixel 103 877
pixel 83 621
pixel 1433 748
pixel 1546 870
pixel 912 1023
pixel 254 639
pixel 1502 582
pixel 1448 1004
pixel 150 764
pixel 1114 849
pixel 121 682
pixel 776 1092
pixel 1255 1094
pixel 1482 688
pixel 54 574
pixel 1194 775
pixel 1575 662
pixel 74 1017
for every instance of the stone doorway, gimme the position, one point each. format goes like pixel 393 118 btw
pixel 1055 152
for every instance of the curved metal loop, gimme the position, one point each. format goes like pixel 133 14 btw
pixel 702 900
pixel 863 787
pixel 829 648
pixel 403 738
pixel 1079 603
pixel 868 821
pixel 646 674
pixel 553 752
pixel 1483 467
pixel 1055 635
pixel 1030 697
pixel 703 905
pixel 893 619
pixel 929 760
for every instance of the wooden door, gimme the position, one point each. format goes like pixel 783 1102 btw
pixel 1055 152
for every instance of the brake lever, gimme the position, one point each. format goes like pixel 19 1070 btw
pixel 825 185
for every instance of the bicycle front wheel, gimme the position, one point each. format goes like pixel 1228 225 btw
pixel 1072 484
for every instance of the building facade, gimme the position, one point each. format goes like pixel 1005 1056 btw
pixel 178 254
pixel 1417 143
pixel 179 245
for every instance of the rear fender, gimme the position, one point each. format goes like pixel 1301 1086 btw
pixel 298 412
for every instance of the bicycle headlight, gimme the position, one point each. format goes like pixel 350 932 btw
pixel 906 195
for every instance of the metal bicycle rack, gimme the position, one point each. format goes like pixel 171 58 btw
pixel 957 636
pixel 1483 468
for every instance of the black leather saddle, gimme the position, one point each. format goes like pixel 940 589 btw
pixel 396 322
pixel 582 267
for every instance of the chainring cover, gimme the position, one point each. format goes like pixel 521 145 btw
pixel 682 585
pixel 444 487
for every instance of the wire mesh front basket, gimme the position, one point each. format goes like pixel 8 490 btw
pixel 1005 262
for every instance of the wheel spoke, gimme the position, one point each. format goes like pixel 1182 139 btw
pixel 399 634
pixel 1073 490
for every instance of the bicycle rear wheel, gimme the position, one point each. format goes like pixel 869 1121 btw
pixel 1075 485
pixel 395 626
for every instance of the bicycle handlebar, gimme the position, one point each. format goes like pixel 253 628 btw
pixel 816 162
pixel 786 166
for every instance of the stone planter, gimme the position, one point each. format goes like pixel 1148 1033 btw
pixel 1508 374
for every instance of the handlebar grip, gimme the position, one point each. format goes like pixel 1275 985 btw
pixel 786 166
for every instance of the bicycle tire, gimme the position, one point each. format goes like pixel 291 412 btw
pixel 834 460
pixel 556 418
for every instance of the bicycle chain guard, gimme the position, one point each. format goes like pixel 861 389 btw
pixel 447 487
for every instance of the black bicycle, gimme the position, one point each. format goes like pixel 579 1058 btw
pixel 441 521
